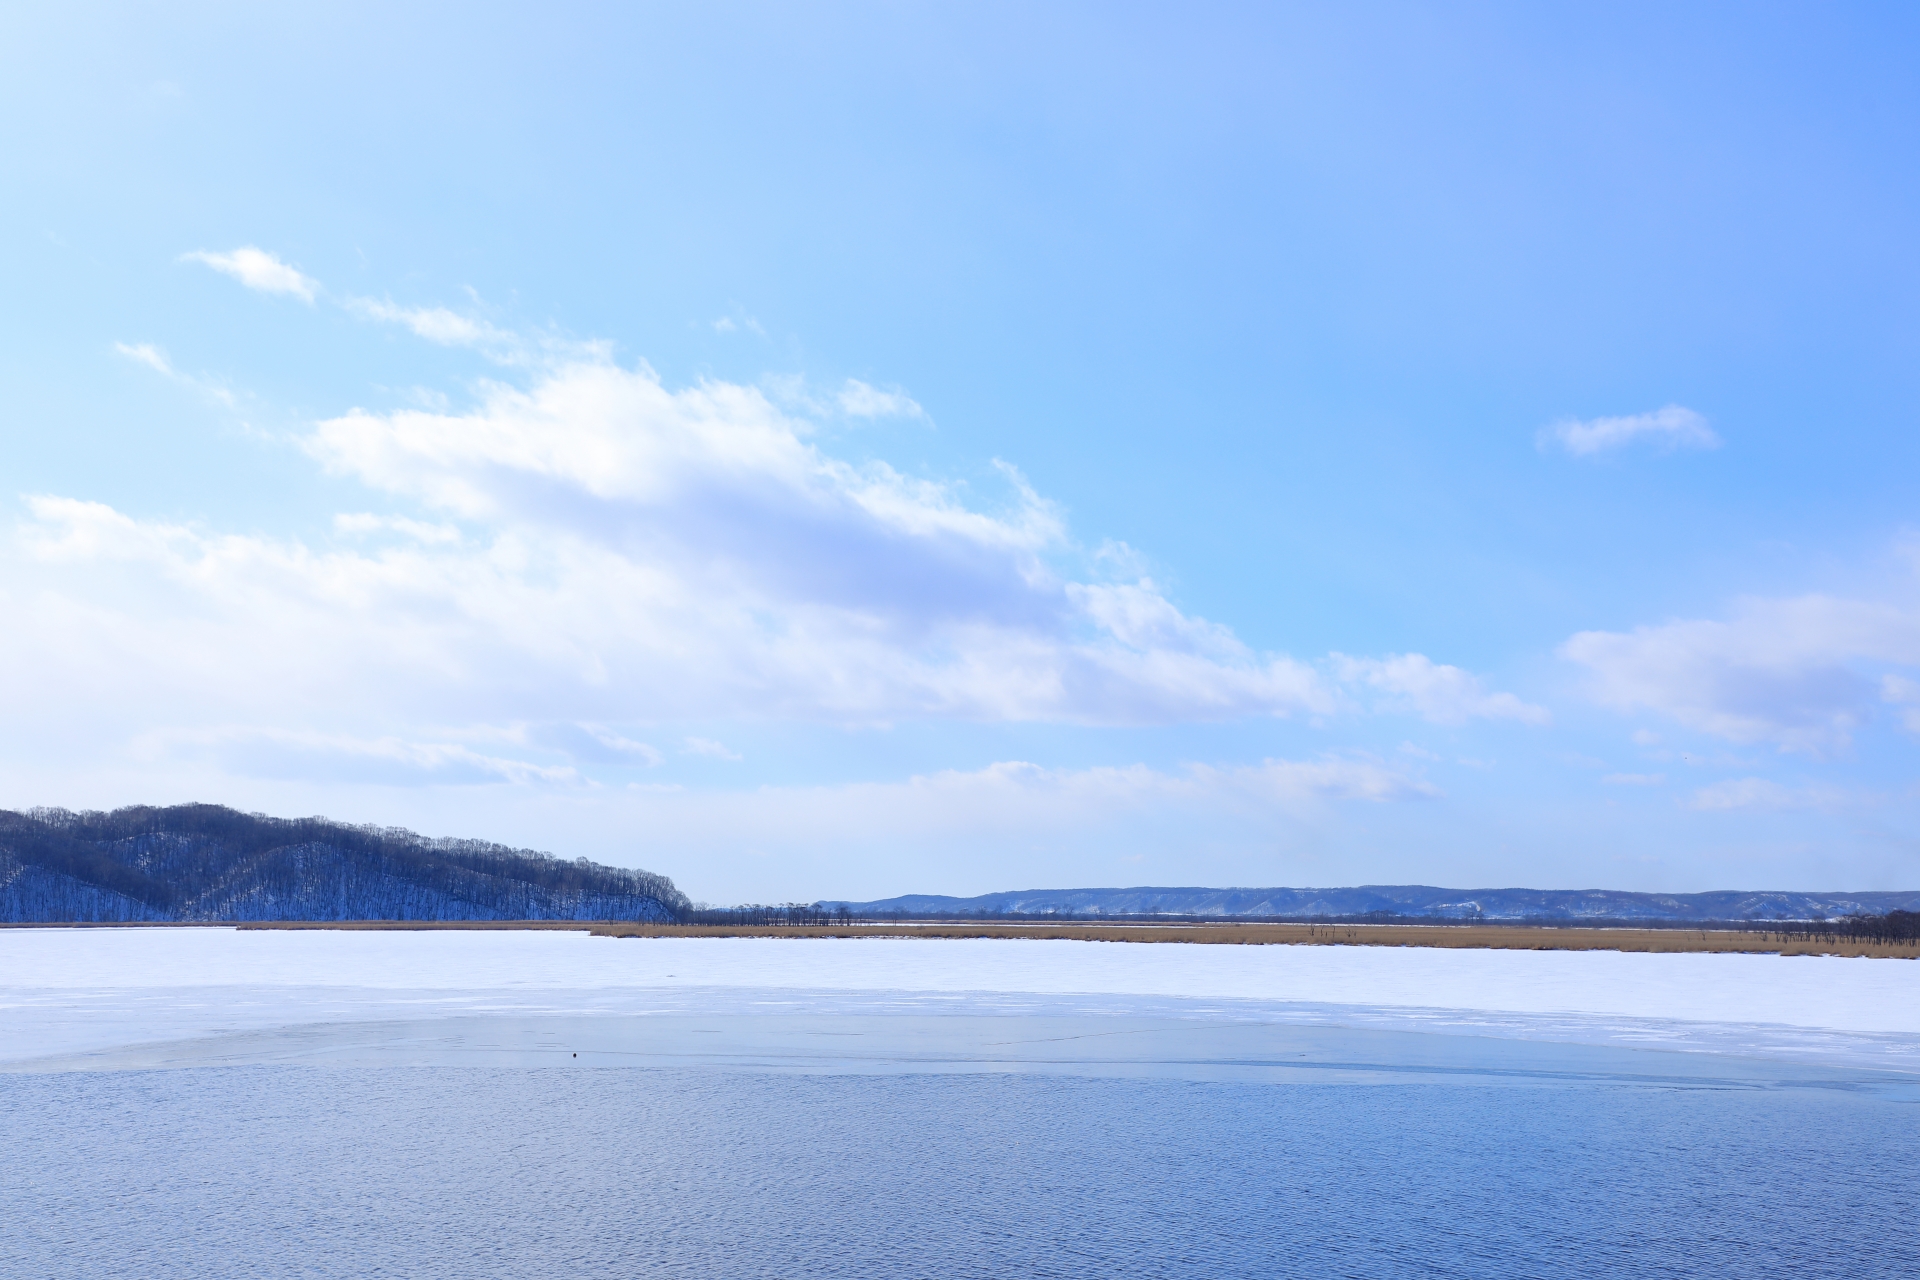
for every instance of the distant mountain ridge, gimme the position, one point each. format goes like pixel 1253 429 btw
pixel 1412 900
pixel 202 862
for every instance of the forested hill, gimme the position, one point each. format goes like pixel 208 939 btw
pixel 207 862
pixel 1402 901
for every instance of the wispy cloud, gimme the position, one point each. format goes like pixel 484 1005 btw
pixel 1777 671
pixel 443 326
pixel 588 742
pixel 1672 427
pixel 1905 694
pixel 1435 691
pixel 149 355
pixel 858 400
pixel 253 752
pixel 622 746
pixel 361 522
pixel 1763 793
pixel 258 269
pixel 1019 797
pixel 709 748
pixel 145 353
pixel 436 324
pixel 446 327
pixel 1635 779
pixel 854 399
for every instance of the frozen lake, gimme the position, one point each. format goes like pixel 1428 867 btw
pixel 208 1102
pixel 69 997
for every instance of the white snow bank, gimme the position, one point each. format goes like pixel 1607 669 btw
pixel 1824 992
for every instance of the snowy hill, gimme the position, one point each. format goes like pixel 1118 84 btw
pixel 201 862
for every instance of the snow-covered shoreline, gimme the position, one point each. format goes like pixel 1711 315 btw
pixel 74 990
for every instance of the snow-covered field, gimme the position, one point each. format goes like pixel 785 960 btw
pixel 84 991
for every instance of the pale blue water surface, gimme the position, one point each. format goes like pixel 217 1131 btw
pixel 1052 1144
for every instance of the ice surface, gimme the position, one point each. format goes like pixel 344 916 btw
pixel 69 995
pixel 215 1103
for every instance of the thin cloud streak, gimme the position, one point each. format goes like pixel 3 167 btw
pixel 258 270
pixel 150 356
pixel 1668 428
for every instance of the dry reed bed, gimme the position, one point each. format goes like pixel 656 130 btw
pixel 1482 936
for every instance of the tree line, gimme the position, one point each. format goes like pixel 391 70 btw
pixel 806 915
pixel 1890 928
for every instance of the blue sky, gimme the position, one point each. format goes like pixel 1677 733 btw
pixel 841 451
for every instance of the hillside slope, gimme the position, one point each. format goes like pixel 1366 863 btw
pixel 201 862
pixel 1402 900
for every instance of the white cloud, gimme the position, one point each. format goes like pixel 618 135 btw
pixel 1777 671
pixel 1672 427
pixel 1435 691
pixel 1635 779
pixel 631 553
pixel 711 749
pixel 858 400
pixel 258 269
pixel 593 550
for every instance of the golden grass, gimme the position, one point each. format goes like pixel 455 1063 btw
pixel 1486 936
